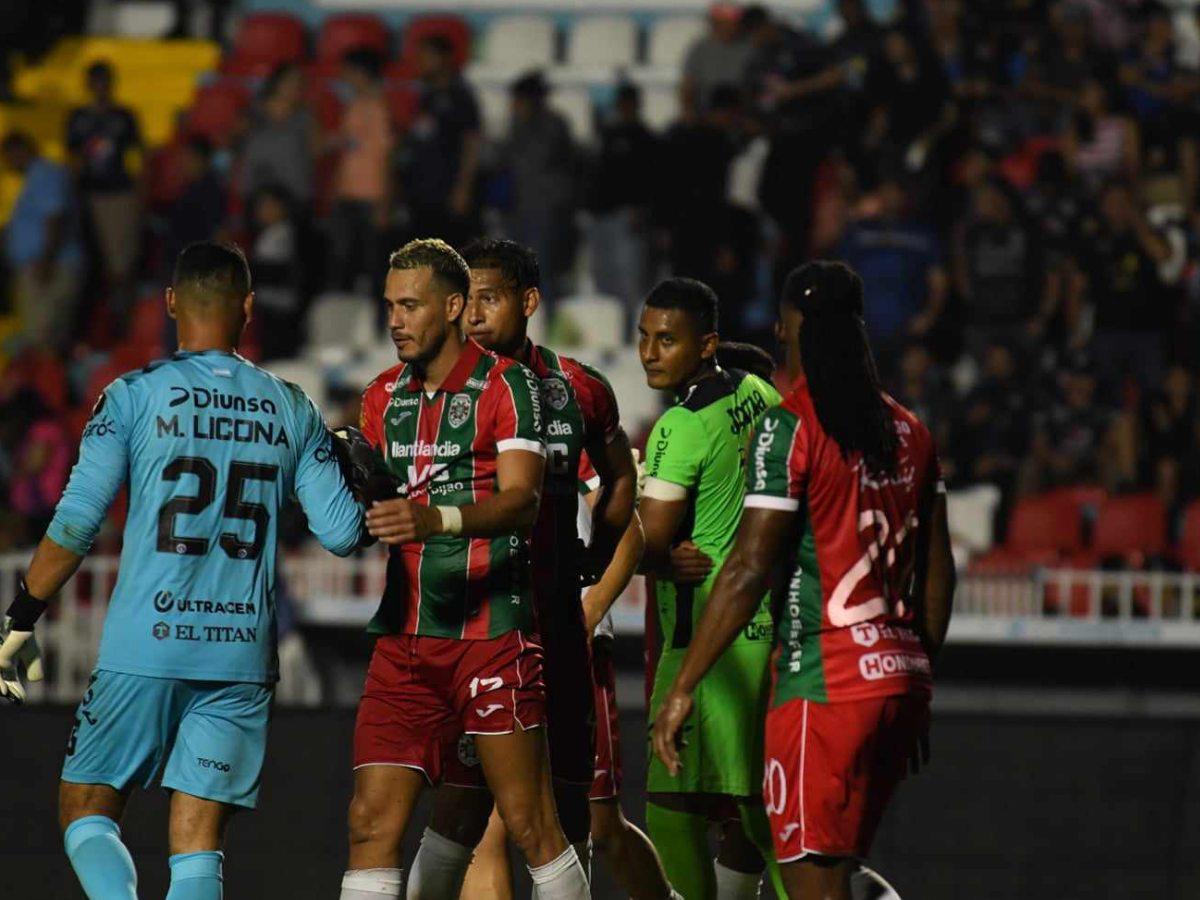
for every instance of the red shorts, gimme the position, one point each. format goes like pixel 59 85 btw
pixel 606 782
pixel 831 769
pixel 569 717
pixel 423 692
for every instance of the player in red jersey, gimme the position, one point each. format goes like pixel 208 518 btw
pixel 845 500
pixel 461 431
pixel 580 415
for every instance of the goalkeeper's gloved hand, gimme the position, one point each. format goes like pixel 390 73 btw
pixel 363 468
pixel 19 653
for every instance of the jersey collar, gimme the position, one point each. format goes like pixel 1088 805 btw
pixel 457 379
pixel 187 354
pixel 531 355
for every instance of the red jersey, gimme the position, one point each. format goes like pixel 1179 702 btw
pixel 443 447
pixel 845 625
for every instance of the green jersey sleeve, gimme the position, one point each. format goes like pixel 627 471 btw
pixel 676 448
pixel 774 478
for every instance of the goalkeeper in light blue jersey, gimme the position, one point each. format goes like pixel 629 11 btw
pixel 211 447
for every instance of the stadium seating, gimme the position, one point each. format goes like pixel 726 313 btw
pixel 518 43
pixel 602 42
pixel 1189 542
pixel 341 320
pixel 143 19
pixel 660 107
pixel 324 102
pixel 1049 522
pixel 349 31
pixel 403 102
pixel 216 113
pixel 265 41
pixel 670 38
pixel 1131 528
pixel 596 322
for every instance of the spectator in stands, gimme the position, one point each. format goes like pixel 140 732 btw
pixel 283 139
pixel 199 212
pixel 1060 66
pixel 994 434
pixel 40 457
pixel 441 151
pixel 620 194
pixel 900 261
pixel 1057 203
pixel 543 165
pixel 1169 417
pixel 1101 144
pixel 997 268
pixel 1132 305
pixel 41 244
pixel 719 57
pixel 363 184
pixel 1078 439
pixel 922 386
pixel 278 274
pixel 101 138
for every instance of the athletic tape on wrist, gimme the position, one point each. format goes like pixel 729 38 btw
pixel 451 519
pixel 25 609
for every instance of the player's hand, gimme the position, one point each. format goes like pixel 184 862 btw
pixel 919 757
pixel 365 472
pixel 665 736
pixel 19 657
pixel 689 565
pixel 401 521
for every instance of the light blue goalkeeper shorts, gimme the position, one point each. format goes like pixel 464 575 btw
pixel 207 738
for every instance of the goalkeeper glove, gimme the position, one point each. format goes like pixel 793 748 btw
pixel 19 653
pixel 363 468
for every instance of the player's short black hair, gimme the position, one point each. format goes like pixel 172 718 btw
pixel 695 298
pixel 517 263
pixel 101 68
pixel 209 271
pixel 747 357
pixel 366 59
pixel 446 262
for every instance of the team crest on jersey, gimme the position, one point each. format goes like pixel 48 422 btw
pixel 556 392
pixel 460 410
pixel 467 754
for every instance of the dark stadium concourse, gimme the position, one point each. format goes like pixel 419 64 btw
pixel 1040 808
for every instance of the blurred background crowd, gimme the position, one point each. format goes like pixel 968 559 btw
pixel 1017 181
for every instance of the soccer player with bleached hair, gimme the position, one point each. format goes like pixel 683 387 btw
pixel 211 447
pixel 461 431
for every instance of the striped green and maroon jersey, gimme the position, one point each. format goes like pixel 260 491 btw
pixel 845 625
pixel 443 446
pixel 579 410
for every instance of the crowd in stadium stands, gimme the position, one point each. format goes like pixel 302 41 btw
pixel 1017 183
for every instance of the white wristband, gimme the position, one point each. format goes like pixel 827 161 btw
pixel 451 519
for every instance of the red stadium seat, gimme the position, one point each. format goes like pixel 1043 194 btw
pixel 1189 542
pixel 404 102
pixel 1049 522
pixel 265 41
pixel 165 174
pixel 216 113
pixel 324 102
pixel 349 31
pixel 1131 527
pixel 454 28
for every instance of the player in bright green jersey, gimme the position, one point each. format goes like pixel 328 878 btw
pixel 695 463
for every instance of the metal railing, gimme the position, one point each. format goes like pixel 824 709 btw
pixel 1049 606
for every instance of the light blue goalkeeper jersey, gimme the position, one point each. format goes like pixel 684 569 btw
pixel 212 446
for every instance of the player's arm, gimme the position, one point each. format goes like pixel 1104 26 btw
pixel 324 489
pixel 732 603
pixel 608 451
pixel 674 453
pixel 599 598
pixel 512 508
pixel 94 482
pixel 936 578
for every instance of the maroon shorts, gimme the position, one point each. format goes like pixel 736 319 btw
pixel 423 692
pixel 569 717
pixel 831 769
pixel 606 782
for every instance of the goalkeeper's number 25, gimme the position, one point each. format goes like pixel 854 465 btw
pixel 235 507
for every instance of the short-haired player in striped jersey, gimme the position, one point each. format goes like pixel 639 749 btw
pixel 581 416
pixel 844 503
pixel 461 430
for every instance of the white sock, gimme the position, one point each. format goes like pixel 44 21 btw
pixel 561 879
pixel 734 885
pixel 439 869
pixel 371 884
pixel 585 860
pixel 867 884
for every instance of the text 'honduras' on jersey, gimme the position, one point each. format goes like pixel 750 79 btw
pixel 212 447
